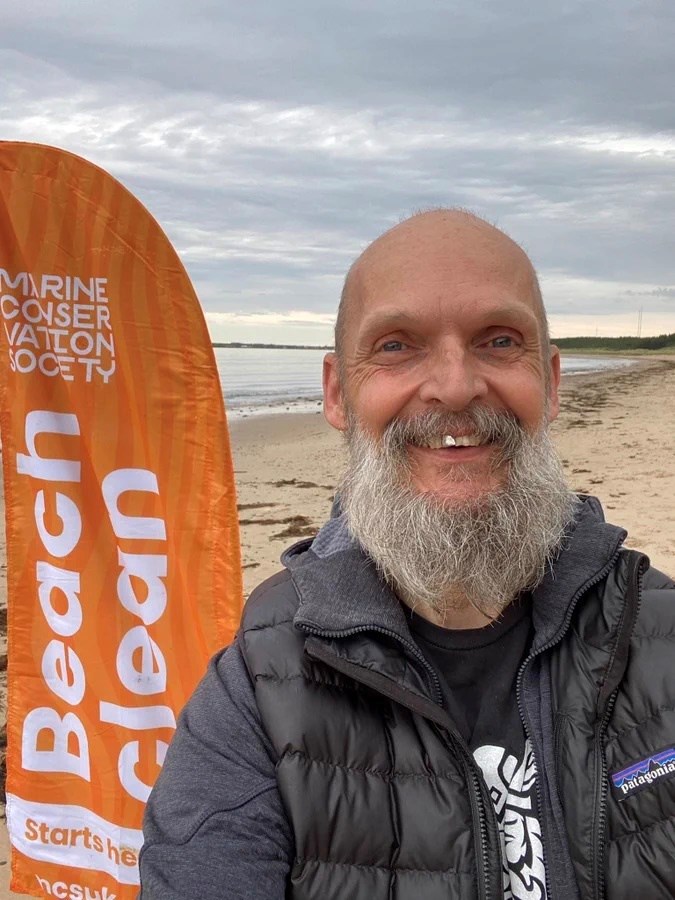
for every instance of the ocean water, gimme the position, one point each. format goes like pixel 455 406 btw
pixel 259 381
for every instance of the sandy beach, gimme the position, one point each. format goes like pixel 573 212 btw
pixel 614 434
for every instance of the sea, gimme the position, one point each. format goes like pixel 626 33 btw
pixel 277 380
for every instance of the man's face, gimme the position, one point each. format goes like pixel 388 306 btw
pixel 443 322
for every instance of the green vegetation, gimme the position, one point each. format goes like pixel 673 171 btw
pixel 664 343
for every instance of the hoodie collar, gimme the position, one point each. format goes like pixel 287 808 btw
pixel 589 552
pixel 339 587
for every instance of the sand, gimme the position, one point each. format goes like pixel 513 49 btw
pixel 614 434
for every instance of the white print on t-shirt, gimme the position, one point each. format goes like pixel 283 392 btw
pixel 512 787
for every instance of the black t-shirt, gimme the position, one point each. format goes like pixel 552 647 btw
pixel 477 668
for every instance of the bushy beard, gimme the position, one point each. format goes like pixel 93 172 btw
pixel 481 552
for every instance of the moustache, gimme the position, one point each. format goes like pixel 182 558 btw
pixel 499 428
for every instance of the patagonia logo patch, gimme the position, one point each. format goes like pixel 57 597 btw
pixel 643 774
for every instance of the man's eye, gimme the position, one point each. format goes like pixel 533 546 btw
pixel 502 342
pixel 392 346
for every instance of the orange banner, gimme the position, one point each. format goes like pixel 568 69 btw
pixel 123 550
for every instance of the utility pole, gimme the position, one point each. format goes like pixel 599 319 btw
pixel 639 334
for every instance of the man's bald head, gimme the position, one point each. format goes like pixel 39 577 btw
pixel 454 234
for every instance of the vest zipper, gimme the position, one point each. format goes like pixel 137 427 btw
pixel 607 699
pixel 479 811
pixel 557 637
pixel 429 709
pixel 600 803
pixel 408 645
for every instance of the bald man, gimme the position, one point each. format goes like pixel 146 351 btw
pixel 462 687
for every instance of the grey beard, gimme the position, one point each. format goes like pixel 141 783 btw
pixel 482 552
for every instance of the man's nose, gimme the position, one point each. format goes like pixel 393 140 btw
pixel 454 378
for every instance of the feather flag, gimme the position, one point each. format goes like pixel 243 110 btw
pixel 122 533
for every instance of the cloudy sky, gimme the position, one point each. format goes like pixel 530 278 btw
pixel 273 140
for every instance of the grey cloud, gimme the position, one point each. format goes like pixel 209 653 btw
pixel 606 62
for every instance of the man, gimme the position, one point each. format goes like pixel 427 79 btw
pixel 462 687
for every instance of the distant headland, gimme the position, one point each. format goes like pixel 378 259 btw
pixel 663 343
pixel 256 346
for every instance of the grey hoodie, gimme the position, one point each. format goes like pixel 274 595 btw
pixel 215 827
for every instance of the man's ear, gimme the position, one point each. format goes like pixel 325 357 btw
pixel 553 383
pixel 333 406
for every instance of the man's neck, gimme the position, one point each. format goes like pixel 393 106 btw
pixel 459 616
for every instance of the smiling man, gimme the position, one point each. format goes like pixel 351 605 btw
pixel 463 686
pixel 444 383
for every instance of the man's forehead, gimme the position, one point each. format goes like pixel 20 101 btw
pixel 442 254
pixel 456 241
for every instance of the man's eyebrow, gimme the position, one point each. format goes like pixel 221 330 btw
pixel 516 314
pixel 506 314
pixel 387 319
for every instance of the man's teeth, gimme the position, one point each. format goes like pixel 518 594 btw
pixel 448 440
pixel 468 440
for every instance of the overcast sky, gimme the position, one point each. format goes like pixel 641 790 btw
pixel 273 140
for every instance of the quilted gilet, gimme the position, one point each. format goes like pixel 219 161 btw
pixel 384 800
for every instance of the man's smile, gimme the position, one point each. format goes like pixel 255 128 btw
pixel 451 440
pixel 458 453
pixel 439 443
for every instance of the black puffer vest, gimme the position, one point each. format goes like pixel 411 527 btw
pixel 384 799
